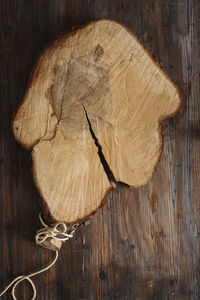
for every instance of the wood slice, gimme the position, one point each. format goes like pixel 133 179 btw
pixel 91 117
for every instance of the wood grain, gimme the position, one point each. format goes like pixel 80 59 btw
pixel 144 243
pixel 96 98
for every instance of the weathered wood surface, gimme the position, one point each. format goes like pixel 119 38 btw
pixel 144 243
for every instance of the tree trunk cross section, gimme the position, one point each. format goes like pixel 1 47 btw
pixel 143 243
pixel 96 99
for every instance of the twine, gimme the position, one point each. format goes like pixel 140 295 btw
pixel 21 278
pixel 59 231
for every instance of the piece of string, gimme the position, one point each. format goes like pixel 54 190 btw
pixel 58 231
pixel 21 278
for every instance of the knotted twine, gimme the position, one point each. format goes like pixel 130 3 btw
pixel 60 232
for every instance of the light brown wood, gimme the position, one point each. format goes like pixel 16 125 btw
pixel 51 244
pixel 91 117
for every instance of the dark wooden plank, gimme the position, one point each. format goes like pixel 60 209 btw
pixel 144 243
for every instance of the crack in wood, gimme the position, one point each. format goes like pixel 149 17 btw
pixel 103 160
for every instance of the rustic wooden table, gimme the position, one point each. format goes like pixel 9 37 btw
pixel 144 243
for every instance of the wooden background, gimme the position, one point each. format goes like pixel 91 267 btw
pixel 144 243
